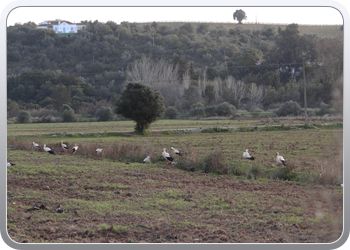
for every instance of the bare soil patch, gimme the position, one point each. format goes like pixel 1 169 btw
pixel 114 202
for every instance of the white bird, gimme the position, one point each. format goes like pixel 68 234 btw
pixel 280 159
pixel 75 148
pixel 36 145
pixel 99 151
pixel 64 146
pixel 167 156
pixel 9 164
pixel 177 152
pixel 48 150
pixel 147 159
pixel 247 155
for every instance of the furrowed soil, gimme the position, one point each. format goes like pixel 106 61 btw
pixel 103 200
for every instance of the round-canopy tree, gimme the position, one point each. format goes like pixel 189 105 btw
pixel 140 103
pixel 239 15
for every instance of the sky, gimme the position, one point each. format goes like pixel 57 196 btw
pixel 272 15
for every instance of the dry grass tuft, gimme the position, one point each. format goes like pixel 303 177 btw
pixel 209 163
pixel 330 173
pixel 119 152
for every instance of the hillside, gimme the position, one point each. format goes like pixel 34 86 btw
pixel 321 31
pixel 197 62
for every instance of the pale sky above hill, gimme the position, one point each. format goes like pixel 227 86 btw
pixel 279 15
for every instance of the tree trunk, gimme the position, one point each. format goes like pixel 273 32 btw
pixel 141 127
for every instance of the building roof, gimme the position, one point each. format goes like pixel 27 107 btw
pixel 54 22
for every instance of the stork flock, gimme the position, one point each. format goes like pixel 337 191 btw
pixel 165 154
pixel 64 147
pixel 279 158
pixel 99 152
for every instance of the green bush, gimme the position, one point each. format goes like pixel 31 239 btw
pixel 104 114
pixel 171 113
pixel 325 109
pixel 47 119
pixel 197 109
pixel 68 114
pixel 225 109
pixel 310 112
pixel 289 108
pixel 65 107
pixel 210 111
pixel 23 116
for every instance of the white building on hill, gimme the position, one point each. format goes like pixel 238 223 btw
pixel 61 26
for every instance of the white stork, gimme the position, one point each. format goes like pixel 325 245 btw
pixel 280 159
pixel 48 150
pixel 247 155
pixel 9 164
pixel 36 146
pixel 167 156
pixel 147 159
pixel 75 148
pixel 177 152
pixel 64 146
pixel 99 151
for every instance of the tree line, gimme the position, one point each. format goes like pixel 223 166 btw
pixel 187 63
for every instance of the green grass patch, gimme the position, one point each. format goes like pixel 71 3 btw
pixel 174 132
pixel 145 132
pixel 85 135
pixel 216 130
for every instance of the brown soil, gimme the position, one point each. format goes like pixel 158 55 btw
pixel 260 223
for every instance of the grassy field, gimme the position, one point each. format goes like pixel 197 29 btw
pixel 222 198
pixel 100 127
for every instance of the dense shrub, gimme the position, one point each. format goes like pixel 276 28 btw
pixel 210 163
pixel 225 109
pixel 68 114
pixel 197 109
pixel 65 107
pixel 325 109
pixel 44 113
pixel 171 113
pixel 310 112
pixel 211 110
pixel 104 114
pixel 289 108
pixel 23 116
pixel 47 119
